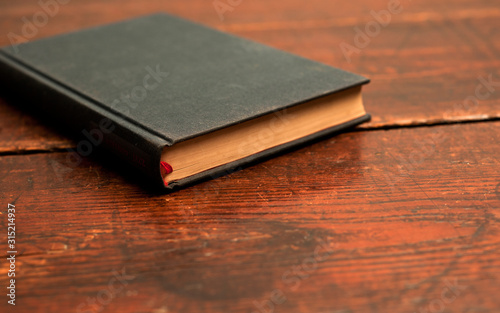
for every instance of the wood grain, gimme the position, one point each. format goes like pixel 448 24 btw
pixel 423 64
pixel 382 219
pixel 405 212
pixel 21 132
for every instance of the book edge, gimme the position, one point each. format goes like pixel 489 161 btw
pixel 237 165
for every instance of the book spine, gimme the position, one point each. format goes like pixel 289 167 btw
pixel 96 126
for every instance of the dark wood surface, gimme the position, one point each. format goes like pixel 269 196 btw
pixel 384 218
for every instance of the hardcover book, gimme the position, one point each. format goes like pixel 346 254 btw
pixel 180 101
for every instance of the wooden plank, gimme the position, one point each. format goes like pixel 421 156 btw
pixel 22 132
pixel 405 213
pixel 424 64
pixel 258 13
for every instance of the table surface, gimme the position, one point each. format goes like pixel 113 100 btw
pixel 401 214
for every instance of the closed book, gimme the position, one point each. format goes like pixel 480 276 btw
pixel 178 100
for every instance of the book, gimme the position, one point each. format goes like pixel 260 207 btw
pixel 180 101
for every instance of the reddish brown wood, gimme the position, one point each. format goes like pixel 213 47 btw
pixel 403 211
pixel 422 65
pixel 22 132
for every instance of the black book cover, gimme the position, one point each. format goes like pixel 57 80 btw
pixel 158 80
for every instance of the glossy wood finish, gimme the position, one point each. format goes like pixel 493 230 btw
pixel 381 219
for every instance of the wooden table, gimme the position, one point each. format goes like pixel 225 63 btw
pixel 399 215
